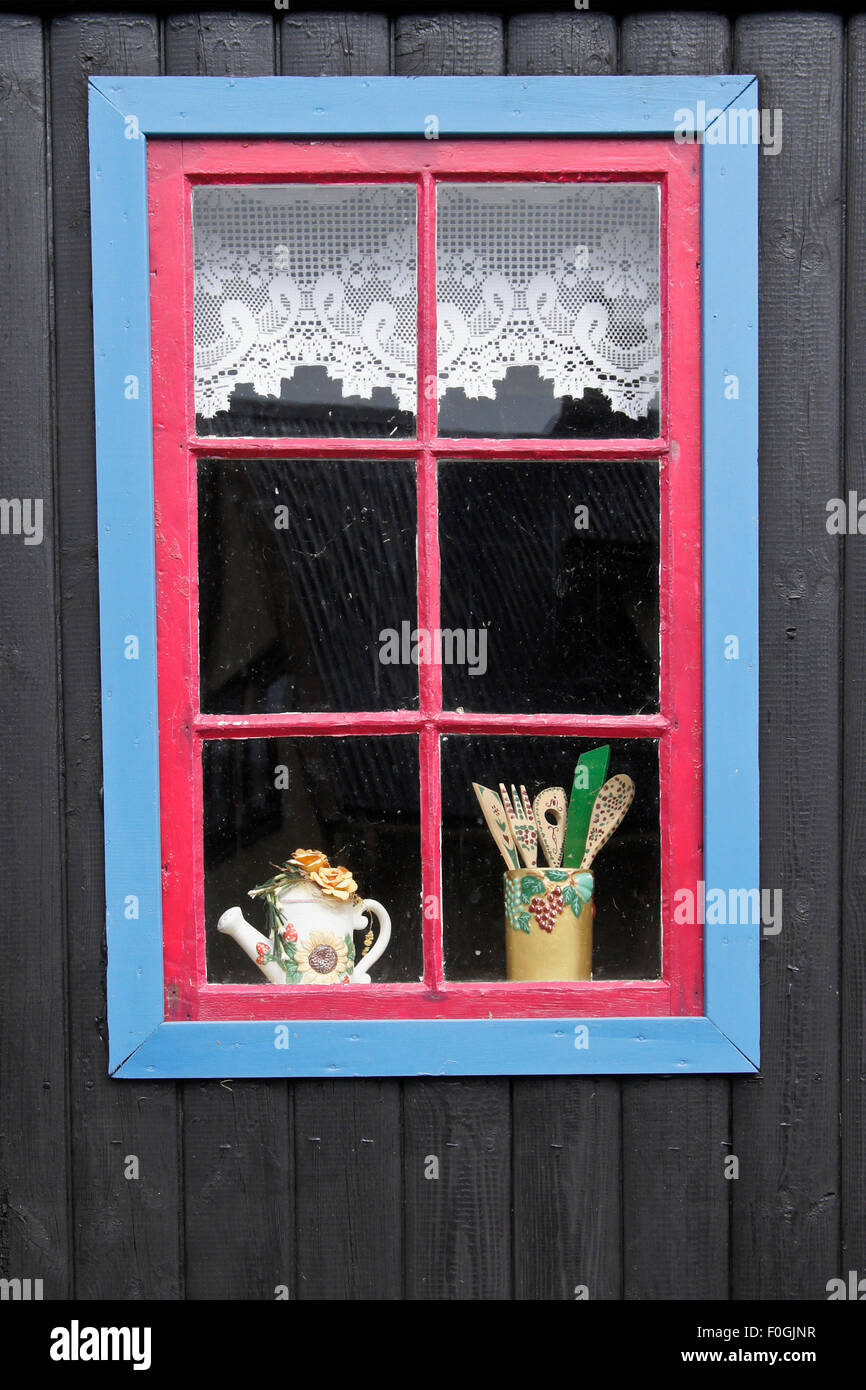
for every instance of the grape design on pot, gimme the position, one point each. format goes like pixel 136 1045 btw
pixel 517 920
pixel 546 909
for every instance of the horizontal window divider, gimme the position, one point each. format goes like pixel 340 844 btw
pixel 290 724
pixel 444 721
pixel 594 725
pixel 366 174
pixel 527 450
pixel 519 450
pixel 449 999
pixel 332 446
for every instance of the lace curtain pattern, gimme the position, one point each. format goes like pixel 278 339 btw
pixel 306 276
pixel 562 278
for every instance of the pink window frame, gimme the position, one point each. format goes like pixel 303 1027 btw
pixel 174 168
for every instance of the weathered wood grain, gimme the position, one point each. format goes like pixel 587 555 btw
pixel 786 1126
pixel 675 43
pixel 854 713
pixel 675 1245
pixel 567 1188
pixel 566 1145
pixel 334 45
pixel 34 1139
pixel 126 1241
pixel 220 44
pixel 458 1207
pixel 349 1219
pixel 448 45
pixel 541 45
pixel 676 1136
pixel 238 1190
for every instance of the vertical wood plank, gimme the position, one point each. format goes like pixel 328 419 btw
pixel 238 1189
pixel 786 1125
pixel 218 44
pixel 675 43
pixel 676 1136
pixel 675 1197
pixel 543 45
pixel 239 1200
pixel 458 1199
pixel 567 1226
pixel 567 1154
pixel 34 1217
pixel 126 1241
pixel 334 45
pixel 854 665
pixel 458 1229
pixel 347 1191
pixel 448 45
pixel 237 1145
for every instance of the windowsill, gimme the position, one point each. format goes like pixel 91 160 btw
pixel 464 999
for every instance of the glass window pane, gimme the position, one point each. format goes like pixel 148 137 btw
pixel 554 570
pixel 305 310
pixel 548 310
pixel 301 566
pixel 355 799
pixel 626 929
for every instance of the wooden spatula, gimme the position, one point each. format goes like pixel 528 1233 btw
pixel 497 824
pixel 551 834
pixel 589 778
pixel 608 813
pixel 521 822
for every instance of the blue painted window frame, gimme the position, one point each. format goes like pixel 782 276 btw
pixel 124 113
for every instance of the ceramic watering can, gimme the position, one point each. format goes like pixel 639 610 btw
pixel 314 941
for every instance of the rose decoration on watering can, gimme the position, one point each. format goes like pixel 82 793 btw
pixel 314 911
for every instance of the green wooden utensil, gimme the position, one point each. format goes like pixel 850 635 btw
pixel 589 776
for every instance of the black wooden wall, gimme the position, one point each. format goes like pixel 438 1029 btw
pixel 544 1184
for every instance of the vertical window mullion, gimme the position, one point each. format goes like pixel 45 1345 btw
pixel 429 672
pixel 197 928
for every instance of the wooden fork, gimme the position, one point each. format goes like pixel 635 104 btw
pixel 522 823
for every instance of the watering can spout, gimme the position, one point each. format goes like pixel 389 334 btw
pixel 252 943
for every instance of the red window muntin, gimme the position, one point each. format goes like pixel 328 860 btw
pixel 174 167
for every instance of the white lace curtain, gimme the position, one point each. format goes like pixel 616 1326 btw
pixel 298 276
pixel 562 278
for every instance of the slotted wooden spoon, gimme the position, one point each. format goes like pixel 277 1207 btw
pixel 551 835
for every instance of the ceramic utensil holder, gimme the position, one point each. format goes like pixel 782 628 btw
pixel 548 924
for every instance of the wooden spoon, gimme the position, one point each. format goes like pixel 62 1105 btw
pixel 608 813
pixel 551 836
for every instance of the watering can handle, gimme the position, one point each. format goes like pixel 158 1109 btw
pixel 359 975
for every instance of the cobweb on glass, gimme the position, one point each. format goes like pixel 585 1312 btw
pixel 548 308
pixel 305 292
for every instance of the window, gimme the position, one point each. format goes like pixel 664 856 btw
pixel 424 437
